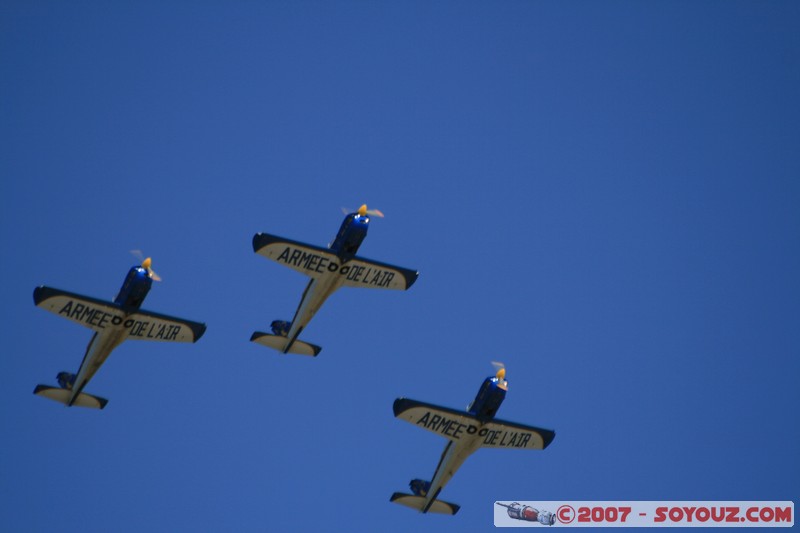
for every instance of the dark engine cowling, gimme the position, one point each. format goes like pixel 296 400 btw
pixel 281 327
pixel 488 399
pixel 351 234
pixel 134 289
pixel 420 487
pixel 66 380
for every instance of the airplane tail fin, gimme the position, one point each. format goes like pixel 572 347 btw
pixel 63 395
pixel 418 502
pixel 278 342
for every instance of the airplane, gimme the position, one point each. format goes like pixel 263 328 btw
pixel 466 432
pixel 329 269
pixel 113 323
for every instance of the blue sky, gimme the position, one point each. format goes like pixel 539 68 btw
pixel 602 195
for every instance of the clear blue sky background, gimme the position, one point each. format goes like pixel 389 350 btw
pixel 603 195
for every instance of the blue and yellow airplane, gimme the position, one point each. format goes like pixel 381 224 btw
pixel 113 323
pixel 466 432
pixel 329 269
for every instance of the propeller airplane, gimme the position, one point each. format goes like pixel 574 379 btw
pixel 466 432
pixel 112 323
pixel 329 269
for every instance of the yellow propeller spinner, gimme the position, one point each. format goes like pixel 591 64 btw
pixel 371 212
pixel 501 375
pixel 150 272
pixel 146 264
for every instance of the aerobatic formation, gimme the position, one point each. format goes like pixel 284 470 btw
pixel 329 269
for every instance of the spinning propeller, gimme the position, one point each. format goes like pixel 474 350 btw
pixel 364 211
pixel 501 375
pixel 146 262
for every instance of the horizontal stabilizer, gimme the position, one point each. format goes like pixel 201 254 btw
pixel 418 503
pixel 63 395
pixel 278 342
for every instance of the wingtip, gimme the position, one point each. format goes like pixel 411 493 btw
pixel 199 330
pixel 39 294
pixel 400 405
pixel 547 439
pixel 411 278
pixel 256 242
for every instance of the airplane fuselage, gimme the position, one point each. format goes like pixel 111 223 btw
pixel 130 297
pixel 484 406
pixel 349 238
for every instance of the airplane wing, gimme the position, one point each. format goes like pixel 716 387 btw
pixel 99 315
pixel 456 425
pixel 502 434
pixel 360 272
pixel 449 423
pixel 313 261
pixel 84 310
pixel 148 326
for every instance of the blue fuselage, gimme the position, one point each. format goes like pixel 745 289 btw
pixel 351 235
pixel 134 289
pixel 488 400
pixel 131 295
pixel 484 407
